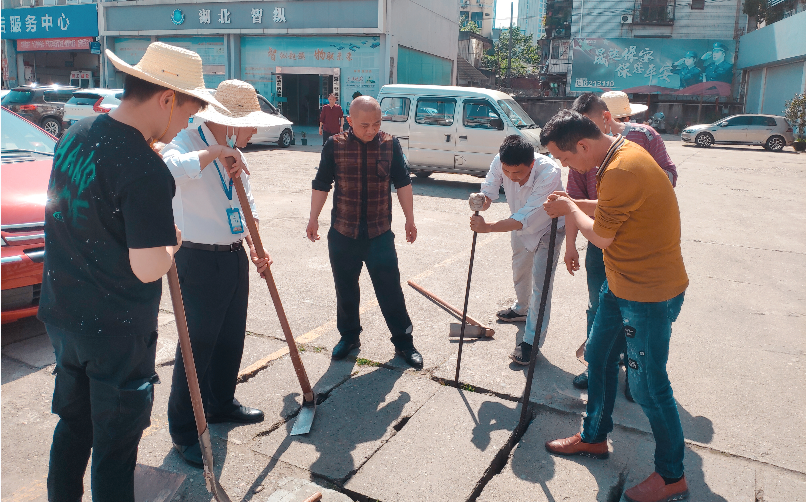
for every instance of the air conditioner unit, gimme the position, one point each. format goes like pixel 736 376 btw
pixel 626 19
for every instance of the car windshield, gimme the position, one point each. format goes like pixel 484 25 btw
pixel 16 97
pixel 19 135
pixel 516 114
pixel 84 98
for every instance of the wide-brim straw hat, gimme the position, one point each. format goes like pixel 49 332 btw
pixel 169 66
pixel 243 108
pixel 619 105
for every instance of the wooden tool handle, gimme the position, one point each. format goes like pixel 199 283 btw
pixel 445 304
pixel 307 392
pixel 316 497
pixel 185 348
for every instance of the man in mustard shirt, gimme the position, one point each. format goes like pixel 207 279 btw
pixel 637 225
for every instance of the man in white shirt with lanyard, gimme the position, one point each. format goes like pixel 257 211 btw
pixel 212 263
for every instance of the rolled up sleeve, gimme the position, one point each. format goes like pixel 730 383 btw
pixel 492 182
pixel 183 166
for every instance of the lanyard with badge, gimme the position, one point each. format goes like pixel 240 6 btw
pixel 233 213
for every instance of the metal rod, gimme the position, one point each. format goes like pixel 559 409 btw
pixel 464 311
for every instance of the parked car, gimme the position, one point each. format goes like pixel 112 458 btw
pixel 770 131
pixel 280 133
pixel 452 129
pixel 42 105
pixel 3 93
pixel 27 159
pixel 90 102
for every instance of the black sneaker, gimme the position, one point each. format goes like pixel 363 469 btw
pixel 581 380
pixel 510 315
pixel 522 354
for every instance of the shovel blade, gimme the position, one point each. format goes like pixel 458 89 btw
pixel 152 484
pixel 470 331
pixel 304 420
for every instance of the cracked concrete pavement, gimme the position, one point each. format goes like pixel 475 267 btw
pixel 386 432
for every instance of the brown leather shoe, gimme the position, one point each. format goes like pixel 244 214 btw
pixel 575 446
pixel 654 489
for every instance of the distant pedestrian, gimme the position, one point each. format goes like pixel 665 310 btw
pixel 637 225
pixel 331 118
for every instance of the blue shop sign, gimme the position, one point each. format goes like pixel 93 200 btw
pixel 61 21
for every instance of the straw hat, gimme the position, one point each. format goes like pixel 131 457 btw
pixel 169 66
pixel 619 105
pixel 240 99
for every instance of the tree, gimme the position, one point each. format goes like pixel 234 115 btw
pixel 467 25
pixel 764 13
pixel 795 113
pixel 525 55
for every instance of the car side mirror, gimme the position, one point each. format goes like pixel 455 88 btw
pixel 497 124
pixel 723 124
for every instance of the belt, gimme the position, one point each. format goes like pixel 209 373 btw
pixel 235 246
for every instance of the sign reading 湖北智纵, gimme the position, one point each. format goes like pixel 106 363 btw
pixel 61 21
pixel 653 65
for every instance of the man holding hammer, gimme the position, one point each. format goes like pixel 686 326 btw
pixel 364 163
pixel 212 264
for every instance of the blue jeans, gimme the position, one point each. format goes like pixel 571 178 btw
pixel 538 277
pixel 595 272
pixel 648 328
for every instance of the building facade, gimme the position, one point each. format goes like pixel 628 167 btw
pixel 532 18
pixel 773 60
pixel 481 12
pixel 294 52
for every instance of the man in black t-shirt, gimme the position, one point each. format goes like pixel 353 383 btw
pixel 109 238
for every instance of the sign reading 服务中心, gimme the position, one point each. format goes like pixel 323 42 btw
pixel 61 21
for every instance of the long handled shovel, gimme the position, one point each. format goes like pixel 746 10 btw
pixel 539 326
pixel 193 385
pixel 464 311
pixel 306 414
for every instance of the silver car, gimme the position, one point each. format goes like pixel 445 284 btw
pixel 770 131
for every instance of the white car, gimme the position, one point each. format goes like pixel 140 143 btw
pixel 770 131
pixel 90 102
pixel 280 132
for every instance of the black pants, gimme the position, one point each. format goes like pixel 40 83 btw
pixel 215 291
pixel 103 396
pixel 326 135
pixel 347 257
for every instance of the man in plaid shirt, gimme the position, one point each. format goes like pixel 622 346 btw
pixel 364 162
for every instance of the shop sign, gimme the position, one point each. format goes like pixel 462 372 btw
pixel 653 65
pixel 54 44
pixel 95 47
pixel 61 21
pixel 287 15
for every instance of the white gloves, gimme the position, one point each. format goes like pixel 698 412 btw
pixel 476 201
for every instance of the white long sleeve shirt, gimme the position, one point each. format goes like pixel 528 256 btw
pixel 526 202
pixel 201 203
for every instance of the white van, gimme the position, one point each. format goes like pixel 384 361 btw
pixel 452 129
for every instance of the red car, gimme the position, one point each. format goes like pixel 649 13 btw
pixel 27 158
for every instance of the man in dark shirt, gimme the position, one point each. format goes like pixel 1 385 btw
pixel 331 118
pixel 364 162
pixel 109 238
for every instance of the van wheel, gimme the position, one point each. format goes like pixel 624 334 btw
pixel 52 126
pixel 423 174
pixel 285 139
pixel 775 143
pixel 704 140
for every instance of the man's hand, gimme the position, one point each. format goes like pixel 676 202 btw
pixel 234 171
pixel 477 224
pixel 313 230
pixel 261 264
pixel 558 204
pixel 477 201
pixel 320 130
pixel 571 259
pixel 411 231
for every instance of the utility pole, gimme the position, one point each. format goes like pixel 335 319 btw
pixel 509 58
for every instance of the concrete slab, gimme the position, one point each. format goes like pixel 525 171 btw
pixel 299 490
pixel 443 450
pixel 23 329
pixel 36 351
pixel 13 369
pixel 355 421
pixel 777 485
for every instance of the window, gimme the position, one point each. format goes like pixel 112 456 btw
pixel 763 121
pixel 395 109
pixel 265 106
pixel 57 96
pixel 16 97
pixel 435 111
pixel 84 98
pixel 741 120
pixel 479 114
pixel 697 4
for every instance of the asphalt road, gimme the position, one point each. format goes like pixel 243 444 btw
pixel 736 364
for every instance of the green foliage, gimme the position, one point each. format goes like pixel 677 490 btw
pixel 465 24
pixel 365 362
pixel 765 13
pixel 467 387
pixel 795 113
pixel 525 55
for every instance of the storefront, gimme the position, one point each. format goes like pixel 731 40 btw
pixel 46 45
pixel 293 52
